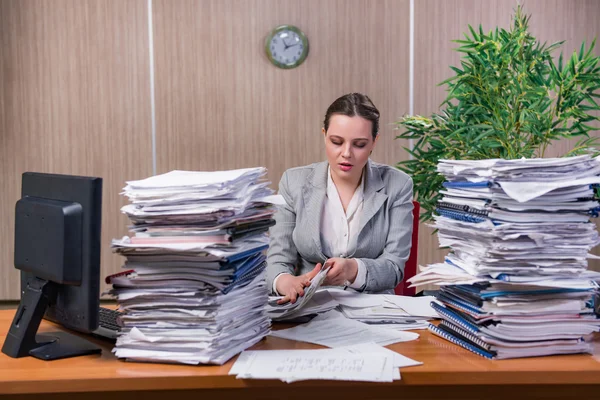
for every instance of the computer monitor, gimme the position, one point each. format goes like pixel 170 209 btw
pixel 57 249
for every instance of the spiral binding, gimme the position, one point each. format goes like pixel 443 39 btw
pixel 462 208
pixel 450 299
pixel 473 338
pixel 451 338
pixel 452 317
pixel 460 216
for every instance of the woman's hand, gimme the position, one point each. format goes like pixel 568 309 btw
pixel 341 270
pixel 291 286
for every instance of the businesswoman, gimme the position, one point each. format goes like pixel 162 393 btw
pixel 347 213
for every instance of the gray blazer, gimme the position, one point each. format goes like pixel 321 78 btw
pixel 385 229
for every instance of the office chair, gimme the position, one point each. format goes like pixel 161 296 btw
pixel 410 268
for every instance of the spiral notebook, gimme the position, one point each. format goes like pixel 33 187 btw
pixel 460 342
pixel 454 318
pixel 444 205
pixel 467 184
pixel 459 215
pixel 463 334
pixel 467 296
pixel 472 312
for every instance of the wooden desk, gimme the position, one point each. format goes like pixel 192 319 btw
pixel 448 372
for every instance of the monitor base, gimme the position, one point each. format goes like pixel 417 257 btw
pixel 62 345
pixel 22 341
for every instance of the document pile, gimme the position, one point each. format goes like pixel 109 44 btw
pixel 516 282
pixel 368 362
pixel 198 292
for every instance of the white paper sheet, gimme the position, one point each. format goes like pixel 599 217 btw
pixel 338 332
pixel 399 361
pixel 295 365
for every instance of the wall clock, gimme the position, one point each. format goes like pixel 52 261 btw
pixel 286 46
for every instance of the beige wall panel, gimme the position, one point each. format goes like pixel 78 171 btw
pixel 438 22
pixel 74 86
pixel 221 104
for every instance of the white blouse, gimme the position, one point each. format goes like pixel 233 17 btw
pixel 339 229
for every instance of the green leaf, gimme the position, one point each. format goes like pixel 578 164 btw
pixel 560 62
pixel 452 78
pixel 473 33
pixel 463 42
pixel 573 63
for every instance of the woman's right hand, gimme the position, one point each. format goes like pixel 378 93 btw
pixel 290 286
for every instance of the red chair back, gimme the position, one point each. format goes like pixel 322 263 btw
pixel 410 268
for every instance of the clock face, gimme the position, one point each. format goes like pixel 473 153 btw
pixel 286 46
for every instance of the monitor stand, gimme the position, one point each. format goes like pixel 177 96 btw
pixel 21 339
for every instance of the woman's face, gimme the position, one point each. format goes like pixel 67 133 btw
pixel 348 144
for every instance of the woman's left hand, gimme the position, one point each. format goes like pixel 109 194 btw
pixel 341 271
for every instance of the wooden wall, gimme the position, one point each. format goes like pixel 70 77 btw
pixel 74 99
pixel 75 85
pixel 221 104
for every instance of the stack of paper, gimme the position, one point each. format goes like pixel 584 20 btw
pixel 368 362
pixel 516 282
pixel 198 292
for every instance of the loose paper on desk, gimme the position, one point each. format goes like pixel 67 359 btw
pixel 413 306
pixel 396 312
pixel 398 360
pixel 354 299
pixel 295 365
pixel 332 331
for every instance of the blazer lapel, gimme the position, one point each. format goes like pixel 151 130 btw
pixel 374 196
pixel 314 194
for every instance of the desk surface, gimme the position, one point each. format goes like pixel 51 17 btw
pixel 446 367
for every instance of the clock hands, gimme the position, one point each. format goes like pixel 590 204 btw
pixel 287 46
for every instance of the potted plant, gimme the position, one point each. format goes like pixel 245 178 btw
pixel 508 99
